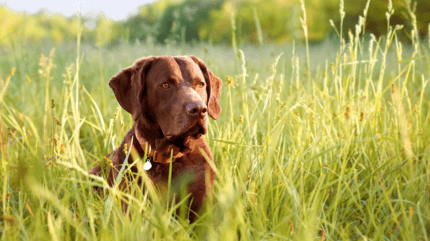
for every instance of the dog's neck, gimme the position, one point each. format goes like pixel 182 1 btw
pixel 149 134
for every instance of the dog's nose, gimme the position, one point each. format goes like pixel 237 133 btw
pixel 196 109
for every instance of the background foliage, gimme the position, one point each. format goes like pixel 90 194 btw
pixel 210 20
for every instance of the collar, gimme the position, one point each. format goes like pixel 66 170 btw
pixel 152 155
pixel 142 143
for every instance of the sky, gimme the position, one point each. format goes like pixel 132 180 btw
pixel 115 10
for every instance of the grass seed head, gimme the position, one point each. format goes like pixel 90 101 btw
pixel 12 72
pixel 116 113
pixel 348 112
pixel 57 121
pixel 283 105
pixel 9 219
pixel 229 81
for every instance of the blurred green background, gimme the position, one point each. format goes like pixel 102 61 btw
pixel 211 21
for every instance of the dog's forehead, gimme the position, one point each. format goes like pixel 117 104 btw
pixel 184 68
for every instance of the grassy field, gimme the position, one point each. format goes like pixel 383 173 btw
pixel 326 142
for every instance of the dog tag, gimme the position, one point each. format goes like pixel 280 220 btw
pixel 147 165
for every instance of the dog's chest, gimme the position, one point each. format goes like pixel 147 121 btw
pixel 184 168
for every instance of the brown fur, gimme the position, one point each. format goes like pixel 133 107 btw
pixel 173 118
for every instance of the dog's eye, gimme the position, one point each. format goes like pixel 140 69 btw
pixel 201 84
pixel 165 85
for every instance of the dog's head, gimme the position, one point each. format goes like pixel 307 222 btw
pixel 175 94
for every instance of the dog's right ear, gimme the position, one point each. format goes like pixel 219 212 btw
pixel 128 86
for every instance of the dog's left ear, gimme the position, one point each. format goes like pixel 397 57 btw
pixel 213 88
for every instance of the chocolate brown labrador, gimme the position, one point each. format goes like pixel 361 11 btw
pixel 170 99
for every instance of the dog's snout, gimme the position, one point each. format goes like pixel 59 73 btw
pixel 196 109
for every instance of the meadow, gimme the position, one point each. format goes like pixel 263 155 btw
pixel 326 141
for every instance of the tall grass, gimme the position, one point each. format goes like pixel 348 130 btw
pixel 338 151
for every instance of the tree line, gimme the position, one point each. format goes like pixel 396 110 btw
pixel 215 21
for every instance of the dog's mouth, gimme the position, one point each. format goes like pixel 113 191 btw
pixel 195 131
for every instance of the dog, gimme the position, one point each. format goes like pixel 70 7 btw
pixel 170 99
